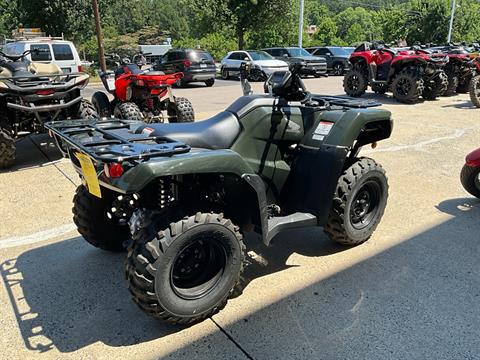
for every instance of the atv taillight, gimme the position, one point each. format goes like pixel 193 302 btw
pixel 45 92
pixel 114 170
pixel 140 82
pixel 187 63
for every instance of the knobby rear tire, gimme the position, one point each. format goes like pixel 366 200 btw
pixel 90 217
pixel 7 149
pixel 151 261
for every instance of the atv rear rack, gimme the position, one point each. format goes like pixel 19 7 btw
pixel 113 140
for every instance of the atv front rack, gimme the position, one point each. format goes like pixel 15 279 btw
pixel 113 140
pixel 346 101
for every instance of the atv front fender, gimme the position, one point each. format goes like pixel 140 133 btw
pixel 193 162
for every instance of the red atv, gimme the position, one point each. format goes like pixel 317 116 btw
pixel 460 69
pixel 474 86
pixel 470 174
pixel 408 74
pixel 141 94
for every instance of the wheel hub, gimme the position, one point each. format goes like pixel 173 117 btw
pixel 404 86
pixel 364 205
pixel 198 268
pixel 354 82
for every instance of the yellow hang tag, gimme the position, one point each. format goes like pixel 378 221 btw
pixel 89 174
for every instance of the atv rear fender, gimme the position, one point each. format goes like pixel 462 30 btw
pixel 193 162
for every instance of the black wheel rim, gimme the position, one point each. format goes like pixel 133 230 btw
pixel 364 206
pixel 403 86
pixel 338 69
pixel 198 268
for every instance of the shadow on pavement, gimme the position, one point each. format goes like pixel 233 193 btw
pixel 461 105
pixel 417 299
pixel 34 151
pixel 70 295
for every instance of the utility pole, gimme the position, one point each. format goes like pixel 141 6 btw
pixel 300 23
pixel 449 39
pixel 101 52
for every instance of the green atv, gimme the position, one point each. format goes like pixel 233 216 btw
pixel 180 197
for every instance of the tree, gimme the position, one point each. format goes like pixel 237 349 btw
pixel 392 24
pixel 355 25
pixel 326 33
pixel 428 21
pixel 241 16
pixel 8 17
pixel 467 21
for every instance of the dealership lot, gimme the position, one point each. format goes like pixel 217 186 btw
pixel 412 291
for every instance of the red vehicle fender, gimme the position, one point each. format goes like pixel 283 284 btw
pixel 409 57
pixel 169 79
pixel 121 84
pixel 473 159
pixel 367 56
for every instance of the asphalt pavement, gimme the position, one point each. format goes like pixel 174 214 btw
pixel 411 292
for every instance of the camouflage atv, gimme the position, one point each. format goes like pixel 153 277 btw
pixel 181 196
pixel 32 93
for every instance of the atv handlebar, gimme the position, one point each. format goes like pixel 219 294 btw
pixel 21 56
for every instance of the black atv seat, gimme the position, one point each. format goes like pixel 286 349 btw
pixel 218 132
pixel 133 68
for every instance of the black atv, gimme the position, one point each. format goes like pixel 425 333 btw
pixel 32 93
pixel 181 196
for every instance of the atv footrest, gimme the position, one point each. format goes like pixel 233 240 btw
pixel 296 220
pixel 113 140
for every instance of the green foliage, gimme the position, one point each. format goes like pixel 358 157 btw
pixel 216 44
pixel 428 21
pixel 355 25
pixel 220 26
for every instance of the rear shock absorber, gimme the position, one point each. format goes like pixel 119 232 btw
pixel 166 193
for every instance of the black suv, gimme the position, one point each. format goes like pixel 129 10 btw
pixel 314 65
pixel 196 65
pixel 337 58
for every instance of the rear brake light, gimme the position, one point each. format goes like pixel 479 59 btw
pixel 80 68
pixel 45 92
pixel 114 170
pixel 140 83
pixel 187 63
